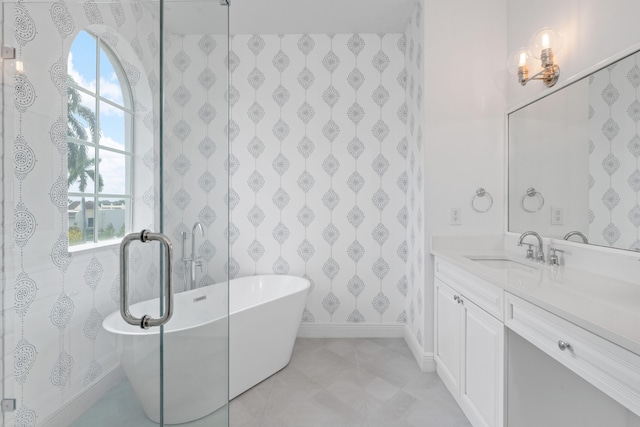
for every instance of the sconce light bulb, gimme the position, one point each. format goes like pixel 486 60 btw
pixel 523 59
pixel 19 66
pixel 545 38
pixel 545 41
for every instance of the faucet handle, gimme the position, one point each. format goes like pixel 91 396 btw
pixel 553 258
pixel 529 255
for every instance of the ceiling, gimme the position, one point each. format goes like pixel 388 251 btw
pixel 288 16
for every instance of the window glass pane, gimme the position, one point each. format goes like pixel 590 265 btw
pixel 81 109
pixel 81 64
pixel 112 218
pixel 115 125
pixel 80 168
pixel 81 220
pixel 113 172
pixel 110 86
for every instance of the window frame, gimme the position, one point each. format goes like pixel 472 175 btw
pixel 127 108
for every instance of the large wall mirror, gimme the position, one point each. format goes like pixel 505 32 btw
pixel 574 160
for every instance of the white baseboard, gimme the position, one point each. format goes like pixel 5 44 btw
pixel 350 330
pixel 75 407
pixel 426 361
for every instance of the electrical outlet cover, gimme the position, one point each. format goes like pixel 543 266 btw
pixel 557 216
pixel 455 216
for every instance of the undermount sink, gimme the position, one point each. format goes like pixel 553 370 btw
pixel 500 263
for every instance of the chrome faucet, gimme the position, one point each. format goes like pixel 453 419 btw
pixel 193 261
pixel 540 251
pixel 576 233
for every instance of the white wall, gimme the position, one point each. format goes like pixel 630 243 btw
pixel 465 65
pixel 594 30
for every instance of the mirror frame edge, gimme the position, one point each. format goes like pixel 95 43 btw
pixel 538 96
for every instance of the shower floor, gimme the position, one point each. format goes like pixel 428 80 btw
pixel 357 382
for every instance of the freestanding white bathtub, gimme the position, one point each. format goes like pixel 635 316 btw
pixel 264 316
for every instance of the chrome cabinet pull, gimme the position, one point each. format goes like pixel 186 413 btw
pixel 146 321
pixel 562 345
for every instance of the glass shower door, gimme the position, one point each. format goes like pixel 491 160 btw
pixel 195 214
pixel 114 118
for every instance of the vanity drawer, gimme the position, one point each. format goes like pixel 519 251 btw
pixel 484 294
pixel 609 367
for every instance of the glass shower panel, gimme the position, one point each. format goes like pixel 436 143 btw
pixel 69 358
pixel 195 214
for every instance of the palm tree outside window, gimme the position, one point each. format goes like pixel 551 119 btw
pixel 100 143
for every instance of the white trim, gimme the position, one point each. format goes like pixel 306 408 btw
pixel 350 330
pixel 426 361
pixel 69 412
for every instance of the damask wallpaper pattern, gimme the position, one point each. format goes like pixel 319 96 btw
pixel 315 133
pixel 326 166
pixel 614 147
pixel 55 299
pixel 414 248
pixel 195 150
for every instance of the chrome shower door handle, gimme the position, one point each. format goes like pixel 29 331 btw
pixel 146 321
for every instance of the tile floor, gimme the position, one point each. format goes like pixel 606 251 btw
pixel 348 383
pixel 329 383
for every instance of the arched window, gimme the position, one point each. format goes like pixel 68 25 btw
pixel 100 143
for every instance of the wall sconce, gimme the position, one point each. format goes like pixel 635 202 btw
pixel 541 47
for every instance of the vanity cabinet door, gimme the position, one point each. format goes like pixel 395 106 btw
pixel 481 385
pixel 448 333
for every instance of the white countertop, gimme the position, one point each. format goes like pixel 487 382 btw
pixel 604 306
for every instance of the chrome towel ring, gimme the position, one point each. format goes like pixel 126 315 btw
pixel 481 193
pixel 531 192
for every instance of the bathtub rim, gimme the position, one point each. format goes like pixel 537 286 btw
pixel 137 331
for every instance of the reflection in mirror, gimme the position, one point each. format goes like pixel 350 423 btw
pixel 579 148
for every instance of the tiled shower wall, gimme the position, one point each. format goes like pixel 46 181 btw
pixel 614 160
pixel 55 347
pixel 318 167
pixel 413 283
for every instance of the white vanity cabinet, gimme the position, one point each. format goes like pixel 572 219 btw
pixel 609 367
pixel 469 344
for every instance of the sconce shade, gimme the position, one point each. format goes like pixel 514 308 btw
pixel 544 39
pixel 518 58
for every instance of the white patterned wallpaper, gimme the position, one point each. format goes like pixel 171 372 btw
pixel 55 301
pixel 195 150
pixel 327 173
pixel 317 177
pixel 614 146
pixel 412 284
